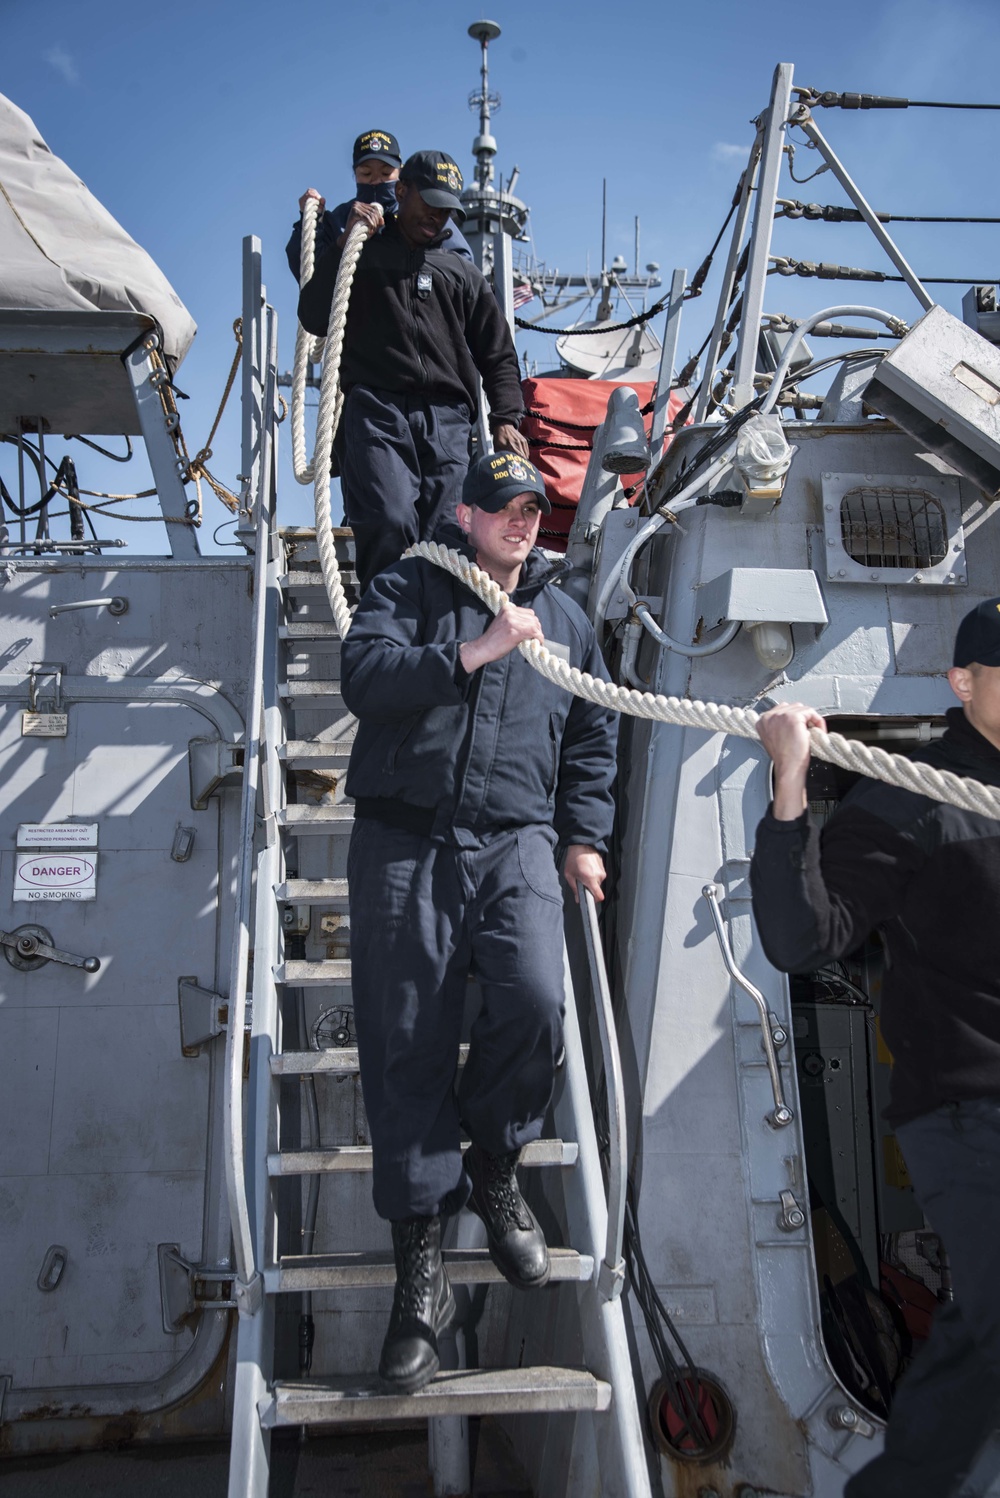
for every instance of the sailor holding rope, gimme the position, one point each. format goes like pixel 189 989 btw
pixel 423 328
pixel 468 773
pixel 926 874
pixel 376 162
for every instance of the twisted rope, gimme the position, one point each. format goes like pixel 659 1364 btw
pixel 308 350
pixel 716 717
pixel 331 404
pixel 849 754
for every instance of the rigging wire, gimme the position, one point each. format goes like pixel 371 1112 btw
pixel 815 98
pixel 834 213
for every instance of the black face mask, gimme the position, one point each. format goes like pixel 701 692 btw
pixel 383 193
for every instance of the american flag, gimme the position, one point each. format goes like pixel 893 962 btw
pixel 523 294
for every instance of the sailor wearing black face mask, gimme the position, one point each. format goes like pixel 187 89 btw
pixel 423 329
pixel 376 162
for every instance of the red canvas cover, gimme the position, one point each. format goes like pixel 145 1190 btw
pixel 562 418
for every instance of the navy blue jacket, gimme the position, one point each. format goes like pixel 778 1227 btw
pixel 473 754
pixel 421 322
pixel 334 222
pixel 927 875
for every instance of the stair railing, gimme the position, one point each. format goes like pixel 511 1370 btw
pixel 256 520
pixel 611 1275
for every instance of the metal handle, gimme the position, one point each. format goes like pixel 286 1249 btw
pixel 611 1275
pixel 30 946
pixel 116 605
pixel 782 1115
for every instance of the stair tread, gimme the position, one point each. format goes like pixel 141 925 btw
pixel 470 1391
pixel 297 579
pixel 301 686
pixel 339 1060
pixel 309 629
pixel 305 820
pixel 313 974
pixel 326 753
pixel 311 891
pixel 358 1157
pixel 375 1269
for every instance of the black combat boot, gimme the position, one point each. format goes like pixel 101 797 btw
pixel 423 1306
pixel 516 1243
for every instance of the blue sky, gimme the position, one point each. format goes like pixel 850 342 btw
pixel 198 123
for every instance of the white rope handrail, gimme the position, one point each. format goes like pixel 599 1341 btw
pixel 308 350
pixel 849 754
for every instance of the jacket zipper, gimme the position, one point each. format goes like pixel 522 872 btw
pixel 413 314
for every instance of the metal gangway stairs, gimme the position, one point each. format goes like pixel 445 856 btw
pixel 295 1116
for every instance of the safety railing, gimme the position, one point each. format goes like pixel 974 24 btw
pixel 611 1275
pixel 257 520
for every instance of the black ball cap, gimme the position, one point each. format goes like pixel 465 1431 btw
pixel 377 145
pixel 978 638
pixel 496 478
pixel 437 178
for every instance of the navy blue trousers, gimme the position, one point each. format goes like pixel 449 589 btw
pixel 402 461
pixel 948 1401
pixel 423 917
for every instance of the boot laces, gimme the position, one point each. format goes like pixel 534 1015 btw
pixel 416 1275
pixel 502 1191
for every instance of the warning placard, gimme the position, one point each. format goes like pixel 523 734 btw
pixel 55 875
pixel 57 835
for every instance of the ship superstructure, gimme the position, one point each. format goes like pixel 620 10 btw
pixel 191 1242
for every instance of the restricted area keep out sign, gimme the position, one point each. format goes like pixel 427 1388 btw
pixel 56 862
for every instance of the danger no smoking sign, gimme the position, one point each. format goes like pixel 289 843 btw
pixel 56 862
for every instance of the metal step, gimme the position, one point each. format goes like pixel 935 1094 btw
pixel 312 892
pixel 298 692
pixel 491 1391
pixel 310 629
pixel 319 754
pixel 302 582
pixel 377 1271
pixel 338 1061
pixel 333 974
pixel 316 821
pixel 357 1158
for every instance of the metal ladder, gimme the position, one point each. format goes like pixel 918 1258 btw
pixel 298 738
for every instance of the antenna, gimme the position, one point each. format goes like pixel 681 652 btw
pixel 604 223
pixel 484 147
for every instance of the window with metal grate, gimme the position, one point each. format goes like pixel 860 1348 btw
pixel 893 527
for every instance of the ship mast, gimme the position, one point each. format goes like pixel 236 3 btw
pixel 494 217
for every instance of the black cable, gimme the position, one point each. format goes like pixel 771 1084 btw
pixel 607 327
pixel 125 457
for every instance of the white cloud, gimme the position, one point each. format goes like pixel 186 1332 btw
pixel 59 58
pixel 723 151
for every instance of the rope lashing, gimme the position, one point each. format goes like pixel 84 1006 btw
pixel 715 717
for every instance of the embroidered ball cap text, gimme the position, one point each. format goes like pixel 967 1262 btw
pixel 496 478
pixel 376 145
pixel 978 638
pixel 436 177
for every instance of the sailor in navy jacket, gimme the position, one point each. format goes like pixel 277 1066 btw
pixel 424 334
pixel 927 875
pixel 441 750
pixel 469 771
